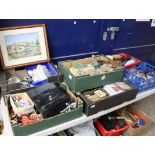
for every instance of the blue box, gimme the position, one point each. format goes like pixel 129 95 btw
pixel 48 66
pixel 142 84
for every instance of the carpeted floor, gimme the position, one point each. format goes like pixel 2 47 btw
pixel 148 106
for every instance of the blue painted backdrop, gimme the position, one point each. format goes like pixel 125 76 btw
pixel 71 39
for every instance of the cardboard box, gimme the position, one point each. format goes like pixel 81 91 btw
pixel 49 122
pixel 91 107
pixel 19 110
pixel 80 83
pixel 141 130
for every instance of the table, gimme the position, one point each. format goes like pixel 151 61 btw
pixel 8 130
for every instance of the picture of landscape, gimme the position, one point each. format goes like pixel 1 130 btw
pixel 22 45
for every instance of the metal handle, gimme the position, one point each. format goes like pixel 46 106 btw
pixel 112 37
pixel 113 31
pixel 105 34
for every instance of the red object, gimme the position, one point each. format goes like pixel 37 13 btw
pixel 116 132
pixel 27 121
pixel 137 61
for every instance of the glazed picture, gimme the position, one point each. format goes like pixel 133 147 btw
pixel 22 45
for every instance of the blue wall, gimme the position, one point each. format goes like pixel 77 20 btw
pixel 65 38
pixel 71 39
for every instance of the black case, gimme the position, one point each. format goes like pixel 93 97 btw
pixel 49 99
pixel 91 107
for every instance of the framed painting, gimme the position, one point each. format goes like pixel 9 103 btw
pixel 23 45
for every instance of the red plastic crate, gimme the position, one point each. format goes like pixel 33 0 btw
pixel 131 65
pixel 117 132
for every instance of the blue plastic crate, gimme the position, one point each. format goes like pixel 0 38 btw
pixel 48 66
pixel 135 79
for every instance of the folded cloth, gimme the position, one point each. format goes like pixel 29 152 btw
pixel 85 129
pixel 49 100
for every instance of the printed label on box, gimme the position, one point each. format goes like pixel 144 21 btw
pixel 103 77
pixel 93 106
pixel 70 77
